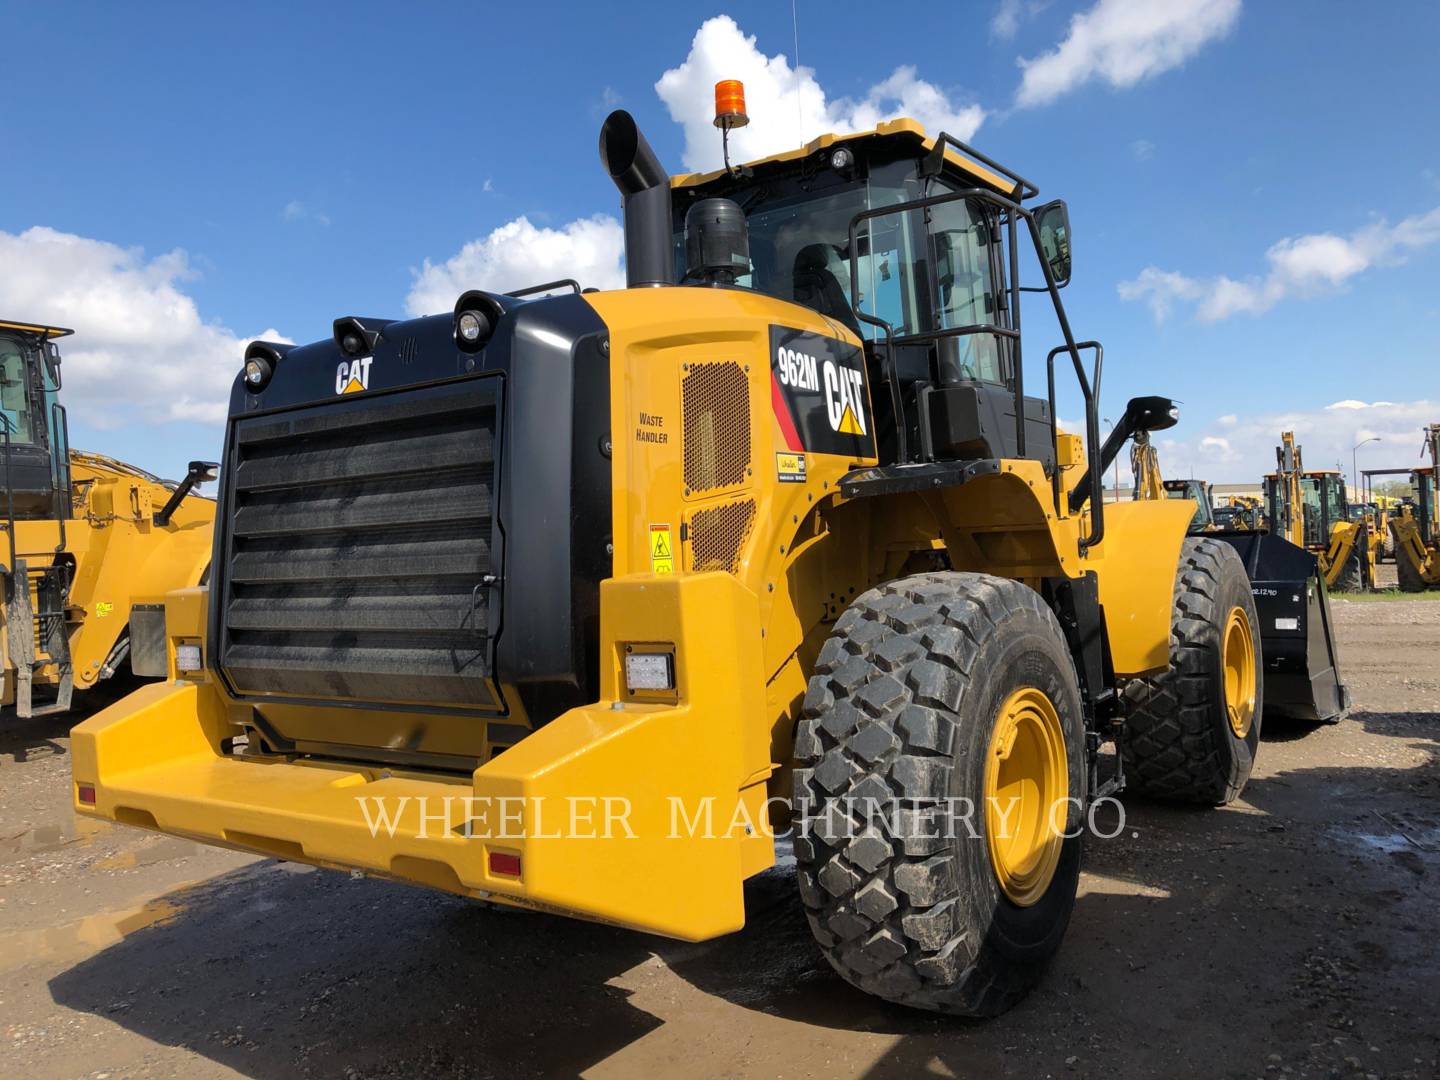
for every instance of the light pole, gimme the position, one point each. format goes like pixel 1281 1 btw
pixel 1354 462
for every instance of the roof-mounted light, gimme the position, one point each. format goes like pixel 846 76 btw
pixel 730 104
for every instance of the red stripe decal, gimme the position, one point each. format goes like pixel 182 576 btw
pixel 782 416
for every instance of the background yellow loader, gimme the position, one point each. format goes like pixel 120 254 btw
pixel 89 546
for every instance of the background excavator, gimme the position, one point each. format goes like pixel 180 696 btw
pixel 90 545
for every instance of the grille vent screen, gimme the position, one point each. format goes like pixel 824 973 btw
pixel 716 399
pixel 359 541
pixel 718 535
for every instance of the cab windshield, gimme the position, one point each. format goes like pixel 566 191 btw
pixel 14 392
pixel 921 271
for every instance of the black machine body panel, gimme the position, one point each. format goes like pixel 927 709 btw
pixel 1297 639
pixel 420 532
pixel 972 421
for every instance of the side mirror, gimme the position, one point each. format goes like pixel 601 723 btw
pixel 52 364
pixel 1053 223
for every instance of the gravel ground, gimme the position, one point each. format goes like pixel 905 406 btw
pixel 1290 935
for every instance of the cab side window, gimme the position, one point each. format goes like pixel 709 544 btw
pixel 962 250
pixel 14 392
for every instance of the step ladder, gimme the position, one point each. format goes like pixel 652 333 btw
pixel 38 634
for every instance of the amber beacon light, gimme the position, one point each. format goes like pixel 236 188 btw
pixel 730 104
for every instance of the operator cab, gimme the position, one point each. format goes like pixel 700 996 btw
pixel 910 244
pixel 34 455
pixel 1199 491
pixel 1326 503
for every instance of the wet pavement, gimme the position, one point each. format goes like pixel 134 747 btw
pixel 1292 934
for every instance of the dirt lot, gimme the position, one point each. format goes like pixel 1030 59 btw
pixel 1293 934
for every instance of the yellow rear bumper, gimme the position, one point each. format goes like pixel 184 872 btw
pixel 642 814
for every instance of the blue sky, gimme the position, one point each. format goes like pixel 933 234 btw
pixel 184 177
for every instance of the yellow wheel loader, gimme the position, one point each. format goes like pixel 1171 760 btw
pixel 562 599
pixel 1415 526
pixel 90 545
pixel 1312 510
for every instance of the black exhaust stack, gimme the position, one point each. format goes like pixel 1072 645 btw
pixel 645 188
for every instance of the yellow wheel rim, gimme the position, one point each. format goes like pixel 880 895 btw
pixel 1239 661
pixel 1027 784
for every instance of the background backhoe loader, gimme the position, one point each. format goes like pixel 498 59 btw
pixel 1312 510
pixel 780 528
pixel 1416 525
pixel 90 545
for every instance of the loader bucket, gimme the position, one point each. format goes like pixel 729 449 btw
pixel 1297 632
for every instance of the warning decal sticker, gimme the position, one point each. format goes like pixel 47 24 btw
pixel 662 550
pixel 819 394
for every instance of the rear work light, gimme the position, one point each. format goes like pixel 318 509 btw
pixel 649 671
pixel 187 657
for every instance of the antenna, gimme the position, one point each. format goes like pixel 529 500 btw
pixel 799 107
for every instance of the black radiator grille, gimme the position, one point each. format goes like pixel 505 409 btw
pixel 359 554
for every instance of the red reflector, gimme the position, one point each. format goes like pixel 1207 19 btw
pixel 501 863
pixel 87 795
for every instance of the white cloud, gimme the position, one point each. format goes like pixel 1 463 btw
pixel 141 350
pixel 1301 266
pixel 1123 42
pixel 1011 13
pixel 787 106
pixel 1142 149
pixel 517 255
pixel 1161 289
pixel 295 210
pixel 1006 19
pixel 1241 449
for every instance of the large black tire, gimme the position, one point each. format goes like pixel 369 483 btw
pixel 901 707
pixel 1178 741
pixel 1406 573
pixel 1351 577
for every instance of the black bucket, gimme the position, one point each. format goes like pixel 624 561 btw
pixel 1297 632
